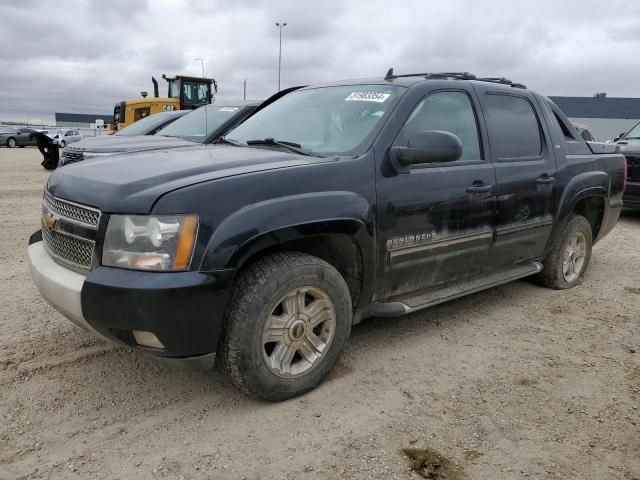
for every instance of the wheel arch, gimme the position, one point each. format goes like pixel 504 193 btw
pixel 336 227
pixel 586 195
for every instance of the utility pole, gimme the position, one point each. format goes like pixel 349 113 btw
pixel 280 26
pixel 245 89
pixel 201 62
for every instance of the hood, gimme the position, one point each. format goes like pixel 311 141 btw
pixel 134 143
pixel 630 146
pixel 131 183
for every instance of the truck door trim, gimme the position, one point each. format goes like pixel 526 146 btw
pixel 446 242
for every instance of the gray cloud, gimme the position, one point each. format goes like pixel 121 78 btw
pixel 83 56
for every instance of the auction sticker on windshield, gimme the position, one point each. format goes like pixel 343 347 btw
pixel 377 97
pixel 228 109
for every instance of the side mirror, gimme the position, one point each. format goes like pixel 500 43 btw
pixel 432 146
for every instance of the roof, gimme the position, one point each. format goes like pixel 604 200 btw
pixel 82 117
pixel 594 107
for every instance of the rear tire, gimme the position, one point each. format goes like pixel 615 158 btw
pixel 565 266
pixel 11 142
pixel 286 324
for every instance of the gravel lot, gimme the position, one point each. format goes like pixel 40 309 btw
pixel 515 382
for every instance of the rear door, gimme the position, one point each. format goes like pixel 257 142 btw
pixel 525 166
pixel 435 223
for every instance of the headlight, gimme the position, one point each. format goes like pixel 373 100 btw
pixel 143 242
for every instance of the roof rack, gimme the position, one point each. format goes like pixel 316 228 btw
pixel 455 76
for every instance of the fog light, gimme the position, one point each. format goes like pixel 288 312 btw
pixel 147 339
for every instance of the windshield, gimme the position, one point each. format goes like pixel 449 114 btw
pixel 192 126
pixel 323 121
pixel 145 125
pixel 634 133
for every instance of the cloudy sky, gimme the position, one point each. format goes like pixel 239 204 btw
pixel 83 56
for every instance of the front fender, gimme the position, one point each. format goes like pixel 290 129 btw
pixel 273 222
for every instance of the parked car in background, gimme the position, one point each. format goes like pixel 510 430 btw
pixel 194 127
pixel 18 138
pixel 64 137
pixel 189 128
pixel 5 134
pixel 584 132
pixel 150 125
pixel 629 143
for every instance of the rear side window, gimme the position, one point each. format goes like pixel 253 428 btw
pixel 586 134
pixel 513 127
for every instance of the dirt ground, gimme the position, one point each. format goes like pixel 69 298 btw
pixel 515 382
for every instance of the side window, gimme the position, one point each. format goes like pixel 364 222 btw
pixel 562 126
pixel 514 131
pixel 586 134
pixel 450 112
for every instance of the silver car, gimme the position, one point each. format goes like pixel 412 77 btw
pixel 64 137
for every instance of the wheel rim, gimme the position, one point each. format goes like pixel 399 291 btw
pixel 12 143
pixel 575 256
pixel 298 332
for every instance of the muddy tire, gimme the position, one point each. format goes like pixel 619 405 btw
pixel 11 142
pixel 286 324
pixel 570 256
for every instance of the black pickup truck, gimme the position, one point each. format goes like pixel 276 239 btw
pixel 337 202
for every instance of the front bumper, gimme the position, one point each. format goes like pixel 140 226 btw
pixel 631 196
pixel 183 310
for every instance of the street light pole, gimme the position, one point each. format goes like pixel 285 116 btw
pixel 202 63
pixel 280 26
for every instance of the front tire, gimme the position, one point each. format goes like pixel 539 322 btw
pixel 286 324
pixel 11 142
pixel 565 266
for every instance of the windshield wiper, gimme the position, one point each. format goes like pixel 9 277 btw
pixel 630 138
pixel 230 142
pixel 294 147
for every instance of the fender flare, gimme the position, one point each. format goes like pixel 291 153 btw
pixel 270 223
pixel 583 185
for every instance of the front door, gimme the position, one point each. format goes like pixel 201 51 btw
pixel 525 165
pixel 435 224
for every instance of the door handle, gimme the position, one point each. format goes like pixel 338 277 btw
pixel 544 179
pixel 479 188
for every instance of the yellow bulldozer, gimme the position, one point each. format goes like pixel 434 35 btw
pixel 184 93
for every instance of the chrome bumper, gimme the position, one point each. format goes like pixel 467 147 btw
pixel 62 288
pixel 58 285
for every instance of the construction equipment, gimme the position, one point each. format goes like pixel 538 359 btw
pixel 184 93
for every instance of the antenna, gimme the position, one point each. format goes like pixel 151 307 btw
pixel 389 75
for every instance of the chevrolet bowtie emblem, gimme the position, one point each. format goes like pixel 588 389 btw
pixel 49 222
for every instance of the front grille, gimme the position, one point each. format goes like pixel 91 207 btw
pixel 72 155
pixel 633 168
pixel 73 250
pixel 68 231
pixel 78 213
